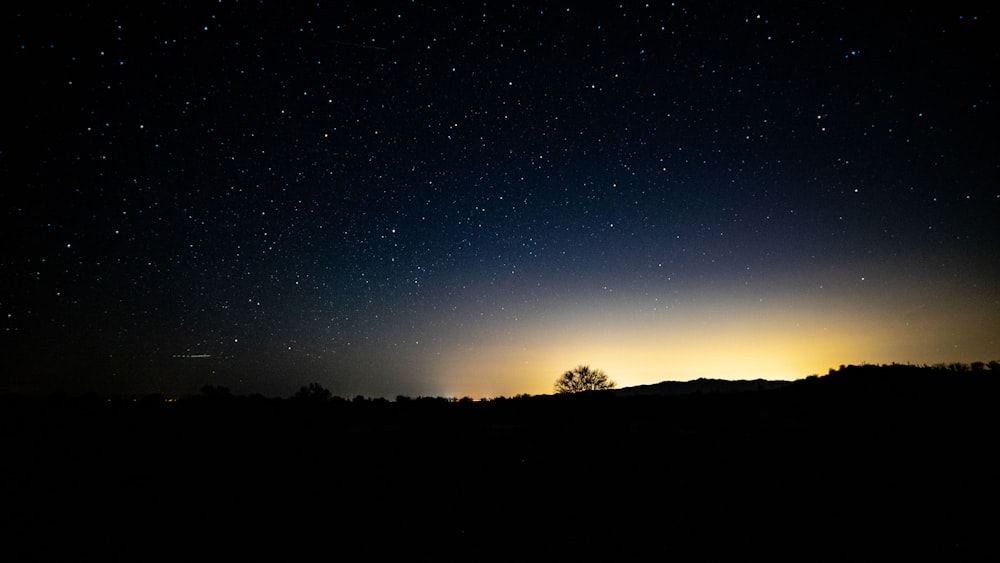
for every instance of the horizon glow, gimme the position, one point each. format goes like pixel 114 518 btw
pixel 778 338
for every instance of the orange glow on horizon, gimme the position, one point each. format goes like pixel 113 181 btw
pixel 727 339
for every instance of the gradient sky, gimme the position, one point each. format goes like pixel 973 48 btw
pixel 417 198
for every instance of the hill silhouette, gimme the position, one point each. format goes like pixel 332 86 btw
pixel 876 460
pixel 701 385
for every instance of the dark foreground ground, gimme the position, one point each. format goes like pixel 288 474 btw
pixel 866 463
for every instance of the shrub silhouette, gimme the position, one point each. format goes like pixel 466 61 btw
pixel 583 378
pixel 312 392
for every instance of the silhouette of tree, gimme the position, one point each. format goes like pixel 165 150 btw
pixel 312 392
pixel 583 378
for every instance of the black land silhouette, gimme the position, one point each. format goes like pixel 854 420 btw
pixel 873 461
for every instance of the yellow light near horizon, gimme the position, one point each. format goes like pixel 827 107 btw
pixel 725 339
pixel 641 350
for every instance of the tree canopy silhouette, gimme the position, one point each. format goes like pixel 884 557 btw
pixel 583 378
pixel 314 392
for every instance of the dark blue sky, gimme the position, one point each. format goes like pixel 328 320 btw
pixel 417 198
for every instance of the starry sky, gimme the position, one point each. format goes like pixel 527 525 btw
pixel 433 199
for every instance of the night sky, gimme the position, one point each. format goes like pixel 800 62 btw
pixel 424 199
